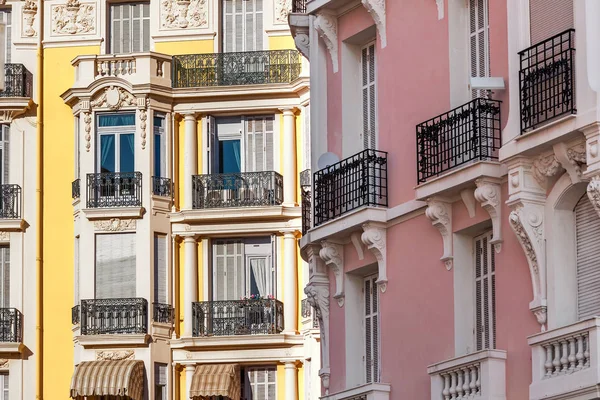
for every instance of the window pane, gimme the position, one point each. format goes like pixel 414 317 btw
pixel 127 153
pixel 229 156
pixel 127 119
pixel 107 153
pixel 157 155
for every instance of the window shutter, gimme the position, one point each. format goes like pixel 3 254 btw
pixel 262 382
pixel 116 34
pixel 5 276
pixel 369 96
pixel 549 18
pixel 259 144
pixel 485 293
pixel 479 41
pixel 4 384
pixel 5 154
pixel 371 329
pixel 76 270
pixel 6 17
pixel 258 28
pixel 250 29
pixel 130 25
pixel 587 229
pixel 115 266
pixel 160 379
pixel 126 29
pixel 228 272
pixel 160 269
pixel 228 25
pixel 239 25
pixel 242 25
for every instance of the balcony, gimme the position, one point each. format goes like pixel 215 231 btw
pixel 565 362
pixel 245 189
pixel 305 184
pixel 114 316
pixel 18 81
pixel 11 326
pixel 10 201
pixel 299 6
pixel 163 313
pixel 162 186
pixel 76 189
pixel 463 135
pixel 233 69
pixel 480 375
pixel 237 317
pixel 355 182
pixel 114 189
pixel 547 81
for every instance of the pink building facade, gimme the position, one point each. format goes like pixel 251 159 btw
pixel 452 222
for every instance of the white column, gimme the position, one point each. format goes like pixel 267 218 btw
pixel 290 288
pixel 289 157
pixel 190 159
pixel 190 288
pixel 291 381
pixel 189 373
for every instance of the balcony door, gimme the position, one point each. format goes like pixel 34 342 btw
pixel 116 134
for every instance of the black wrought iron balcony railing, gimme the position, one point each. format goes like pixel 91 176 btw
pixel 307 312
pixel 237 317
pixel 163 313
pixel 547 80
pixel 299 6
pixel 10 201
pixel 18 81
pixel 11 325
pixel 114 316
pixel 114 189
pixel 162 186
pixel 76 315
pixel 231 69
pixel 76 189
pixel 305 187
pixel 245 189
pixel 357 181
pixel 468 133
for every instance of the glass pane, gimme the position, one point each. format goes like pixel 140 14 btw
pixel 229 156
pixel 127 153
pixel 107 153
pixel 116 120
pixel 157 155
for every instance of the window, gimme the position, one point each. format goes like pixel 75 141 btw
pixel 129 28
pixel 116 134
pixel 160 269
pixel 5 276
pixel 369 97
pixel 160 376
pixel 4 154
pixel 259 144
pixel 76 269
pixel 76 142
pixel 479 30
pixel 160 144
pixel 485 293
pixel 4 387
pixel 307 138
pixel 587 231
pixel 371 329
pixel 242 25
pixel 115 266
pixel 243 267
pixel 260 383
pixel 6 17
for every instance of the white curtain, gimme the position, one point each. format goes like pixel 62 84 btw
pixel 259 269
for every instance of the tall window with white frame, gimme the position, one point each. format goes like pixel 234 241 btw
pixel 243 25
pixel 6 17
pixel 260 383
pixel 479 40
pixel 129 28
pixel 369 97
pixel 160 376
pixel 160 147
pixel 485 293
pixel 4 154
pixel 587 233
pixel 116 135
pixel 160 269
pixel 5 276
pixel 371 329
pixel 4 392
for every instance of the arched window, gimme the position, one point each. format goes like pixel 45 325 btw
pixel 587 233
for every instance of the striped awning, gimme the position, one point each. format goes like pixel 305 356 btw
pixel 216 380
pixel 104 378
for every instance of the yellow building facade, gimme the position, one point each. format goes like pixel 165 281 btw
pixel 154 151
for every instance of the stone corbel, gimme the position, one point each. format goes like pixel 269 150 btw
pixel 488 193
pixel 302 41
pixel 571 159
pixel 440 213
pixel 317 294
pixel 375 238
pixel 326 26
pixel 468 198
pixel 592 145
pixel 544 167
pixel 142 105
pixel 333 255
pixel 377 10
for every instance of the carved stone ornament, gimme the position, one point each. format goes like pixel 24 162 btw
pixel 143 124
pixel 593 192
pixel 488 193
pixel 282 9
pixel 87 120
pixel 440 9
pixel 545 166
pixel 326 26
pixel 333 255
pixel 4 363
pixel 30 9
pixel 317 294
pixel 114 98
pixel 302 41
pixel 440 214
pixel 182 14
pixel 4 236
pixel 377 10
pixel 572 159
pixel 115 225
pixel 115 355
pixel 375 238
pixel 73 18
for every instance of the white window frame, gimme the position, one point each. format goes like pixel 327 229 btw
pixel 250 385
pixel 486 42
pixel 160 131
pixel 5 149
pixel 117 131
pixel 366 135
pixel 5 274
pixel 111 19
pixel 374 314
pixel 4 386
pixel 480 306
pixel 6 17
pixel 159 386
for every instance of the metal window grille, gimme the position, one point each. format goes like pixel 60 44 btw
pixel 307 311
pixel 468 133
pixel 305 192
pixel 114 316
pixel 10 201
pixel 162 186
pixel 485 293
pixel 11 325
pixel 547 80
pixel 114 189
pixel 18 81
pixel 357 181
pixel 163 313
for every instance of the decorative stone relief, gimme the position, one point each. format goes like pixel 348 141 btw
pixel 115 355
pixel 488 193
pixel 182 14
pixel 4 236
pixel 115 224
pixel 28 18
pixel 377 10
pixel 572 159
pixel 143 123
pixel 545 166
pixel 302 41
pixel 326 26
pixel 73 18
pixel 440 214
pixel 114 98
pixel 440 9
pixel 282 9
pixel 4 363
pixel 333 255
pixel 87 120
pixel 593 192
pixel 317 294
pixel 375 238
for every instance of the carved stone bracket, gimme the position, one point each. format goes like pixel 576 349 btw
pixel 115 224
pixel 440 213
pixel 4 363
pixel 572 159
pixel 377 10
pixel 333 255
pixel 545 166
pixel 375 238
pixel 468 199
pixel 29 12
pixel 183 14
pixel 115 355
pixel 326 26
pixel 302 41
pixel 143 123
pixel 488 193
pixel 73 18
pixel 4 236
pixel 317 294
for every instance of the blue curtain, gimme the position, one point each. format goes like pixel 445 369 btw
pixel 107 153
pixel 236 153
pixel 125 119
pixel 127 153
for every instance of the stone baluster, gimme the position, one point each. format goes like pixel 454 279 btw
pixel 459 385
pixel 579 355
pixel 586 353
pixel 478 382
pixel 446 391
pixel 548 364
pixel 472 384
pixel 453 385
pixel 556 361
pixel 564 359
pixel 467 377
pixel 572 359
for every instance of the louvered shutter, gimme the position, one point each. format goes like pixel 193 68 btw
pixel 115 266
pixel 5 276
pixel 371 329
pixel 587 229
pixel 479 41
pixel 160 377
pixel 259 144
pixel 369 96
pixel 130 28
pixel 549 18
pixel 4 385
pixel 76 270
pixel 6 17
pixel 485 293
pixel 242 25
pixel 228 270
pixel 5 154
pixel 160 269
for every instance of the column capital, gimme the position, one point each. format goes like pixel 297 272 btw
pixel 288 233
pixel 290 111
pixel 294 364
pixel 190 115
pixel 189 237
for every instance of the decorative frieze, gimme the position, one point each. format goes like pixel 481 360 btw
pixel 282 10
pixel 184 14
pixel 30 9
pixel 333 255
pixel 375 238
pixel 115 225
pixel 488 193
pixel 439 211
pixel 326 26
pixel 114 98
pixel 73 18
pixel 115 355
pixel 377 10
